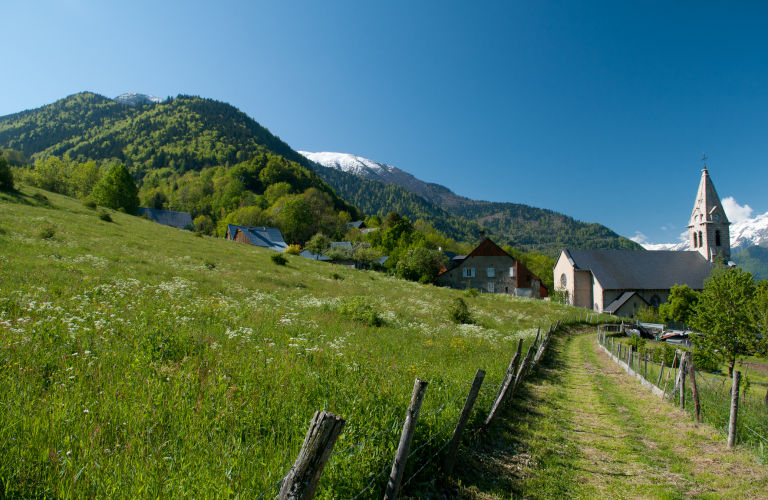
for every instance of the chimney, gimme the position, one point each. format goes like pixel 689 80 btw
pixel 482 236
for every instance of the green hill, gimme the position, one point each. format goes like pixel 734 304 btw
pixel 138 360
pixel 166 141
pixel 754 260
pixel 520 226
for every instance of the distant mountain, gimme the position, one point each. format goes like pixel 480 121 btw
pixel 521 226
pixel 744 234
pixel 132 99
pixel 753 259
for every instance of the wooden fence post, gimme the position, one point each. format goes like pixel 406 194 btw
pixel 612 339
pixel 453 448
pixel 542 347
pixel 734 409
pixel 683 361
pixel 301 482
pixel 661 372
pixel 523 368
pixel 409 428
pixel 695 390
pixel 645 366
pixel 510 375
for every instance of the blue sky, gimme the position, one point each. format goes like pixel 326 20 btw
pixel 597 110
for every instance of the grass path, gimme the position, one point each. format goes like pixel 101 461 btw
pixel 582 428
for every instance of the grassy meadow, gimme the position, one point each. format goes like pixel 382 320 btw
pixel 141 361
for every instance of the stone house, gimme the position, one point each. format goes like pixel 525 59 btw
pixel 492 270
pixel 265 237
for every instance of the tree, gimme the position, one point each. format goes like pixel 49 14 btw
pixel 117 190
pixel 338 253
pixel 365 254
pixel 204 224
pixel 318 244
pixel 680 306
pixel 724 315
pixel 295 220
pixel 6 176
pixel 759 313
pixel 421 264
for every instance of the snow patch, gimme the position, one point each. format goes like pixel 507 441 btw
pixel 133 98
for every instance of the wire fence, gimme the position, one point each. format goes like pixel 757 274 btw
pixel 714 393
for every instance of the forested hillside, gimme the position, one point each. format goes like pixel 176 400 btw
pixel 520 226
pixel 753 259
pixel 169 144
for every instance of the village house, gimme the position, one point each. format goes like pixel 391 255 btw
pixel 492 270
pixel 265 237
pixel 180 220
pixel 621 282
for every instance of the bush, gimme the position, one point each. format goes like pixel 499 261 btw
pixel 279 259
pixel 6 176
pixel 90 204
pixel 209 264
pixel 40 197
pixel 198 234
pixel 459 313
pixel 104 215
pixel 471 292
pixel 48 231
pixel 705 360
pixel 292 250
pixel 337 276
pixel 637 343
pixel 358 309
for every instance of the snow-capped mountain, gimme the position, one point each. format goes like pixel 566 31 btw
pixel 369 169
pixel 744 233
pixel 132 98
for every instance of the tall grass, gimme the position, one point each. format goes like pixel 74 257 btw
pixel 129 368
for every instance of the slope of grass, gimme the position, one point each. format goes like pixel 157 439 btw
pixel 138 360
pixel 580 427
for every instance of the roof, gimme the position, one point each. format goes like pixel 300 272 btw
pixel 181 220
pixel 641 269
pixel 309 255
pixel 358 224
pixel 266 237
pixel 620 301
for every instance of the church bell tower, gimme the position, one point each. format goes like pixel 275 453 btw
pixel 708 228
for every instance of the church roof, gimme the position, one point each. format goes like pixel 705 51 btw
pixel 707 201
pixel 642 270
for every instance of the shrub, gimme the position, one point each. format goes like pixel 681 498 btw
pixel 704 360
pixel 279 259
pixel 198 234
pixel 6 176
pixel 48 231
pixel 337 276
pixel 471 292
pixel 358 309
pixel 209 264
pixel 90 204
pixel 637 343
pixel 459 313
pixel 104 215
pixel 292 250
pixel 40 197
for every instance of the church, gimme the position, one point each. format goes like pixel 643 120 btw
pixel 620 282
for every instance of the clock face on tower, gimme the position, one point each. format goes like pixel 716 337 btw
pixel 717 217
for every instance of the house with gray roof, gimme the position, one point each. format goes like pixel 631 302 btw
pixel 180 220
pixel 265 237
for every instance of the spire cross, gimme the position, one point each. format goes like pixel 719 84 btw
pixel 704 159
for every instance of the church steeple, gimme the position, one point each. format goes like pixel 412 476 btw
pixel 708 228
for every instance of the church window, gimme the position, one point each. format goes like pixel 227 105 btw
pixel 597 307
pixel 655 301
pixel 563 281
pixel 701 241
pixel 717 238
pixel 695 241
pixel 696 218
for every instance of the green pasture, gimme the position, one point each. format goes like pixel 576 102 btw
pixel 142 361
